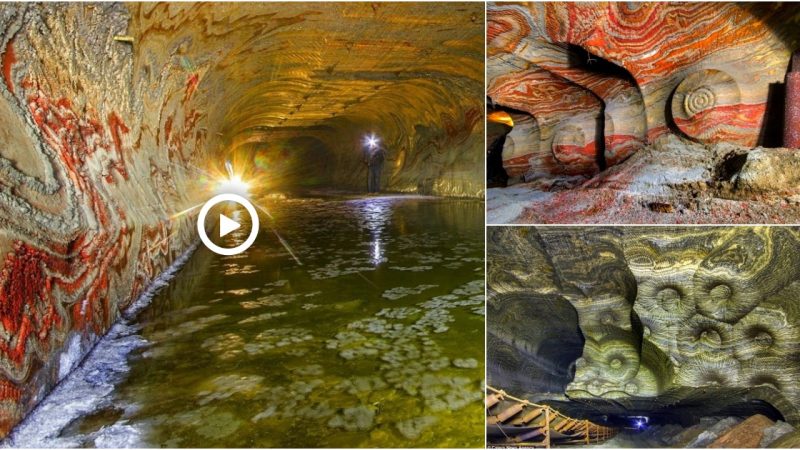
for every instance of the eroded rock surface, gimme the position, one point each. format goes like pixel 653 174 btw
pixel 593 84
pixel 670 322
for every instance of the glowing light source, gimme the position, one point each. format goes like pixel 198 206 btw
pixel 234 184
pixel 640 422
pixel 500 117
pixel 371 140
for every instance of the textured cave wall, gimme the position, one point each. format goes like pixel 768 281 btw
pixel 90 173
pixel 702 70
pixel 696 318
pixel 272 73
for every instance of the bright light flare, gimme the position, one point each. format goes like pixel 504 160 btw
pixel 500 117
pixel 185 211
pixel 233 185
pixel 371 140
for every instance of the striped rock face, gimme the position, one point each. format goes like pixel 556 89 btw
pixel 104 141
pixel 704 70
pixel 668 315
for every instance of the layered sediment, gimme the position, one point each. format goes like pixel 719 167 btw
pixel 592 84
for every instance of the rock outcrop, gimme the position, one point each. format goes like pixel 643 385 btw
pixel 675 322
pixel 602 81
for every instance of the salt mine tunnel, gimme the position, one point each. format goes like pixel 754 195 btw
pixel 643 112
pixel 352 321
pixel 643 336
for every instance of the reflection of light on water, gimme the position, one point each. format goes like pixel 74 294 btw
pixel 377 253
pixel 376 215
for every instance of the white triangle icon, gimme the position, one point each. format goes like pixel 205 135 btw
pixel 226 225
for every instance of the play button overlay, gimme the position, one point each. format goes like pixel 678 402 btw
pixel 227 225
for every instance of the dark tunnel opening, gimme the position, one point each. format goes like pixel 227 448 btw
pixel 771 135
pixel 580 58
pixel 533 344
pixel 498 125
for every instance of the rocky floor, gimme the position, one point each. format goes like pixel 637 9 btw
pixel 674 180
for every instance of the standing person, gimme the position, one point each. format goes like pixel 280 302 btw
pixel 374 158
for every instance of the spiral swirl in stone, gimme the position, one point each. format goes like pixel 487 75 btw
pixel 699 100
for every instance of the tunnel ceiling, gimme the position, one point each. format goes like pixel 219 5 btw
pixel 672 321
pixel 264 72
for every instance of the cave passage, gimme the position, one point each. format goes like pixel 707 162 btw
pixel 376 339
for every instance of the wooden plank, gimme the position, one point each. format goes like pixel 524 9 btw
pixel 493 399
pixel 528 416
pixel 510 412
pixel 547 427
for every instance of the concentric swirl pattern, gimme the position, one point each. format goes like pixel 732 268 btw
pixel 669 313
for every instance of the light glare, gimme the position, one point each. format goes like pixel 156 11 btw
pixel 233 185
pixel 371 140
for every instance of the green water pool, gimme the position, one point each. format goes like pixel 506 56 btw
pixel 376 340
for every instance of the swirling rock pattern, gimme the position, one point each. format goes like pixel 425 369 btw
pixel 103 141
pixel 702 68
pixel 669 315
pixel 567 148
pixel 520 146
pixel 85 200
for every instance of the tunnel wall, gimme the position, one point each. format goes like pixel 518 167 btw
pixel 96 142
pixel 336 73
pixel 669 315
pixel 701 70
pixel 434 145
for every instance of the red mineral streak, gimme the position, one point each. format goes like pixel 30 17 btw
pixel 96 253
pixel 26 303
pixel 8 60
pixel 497 26
pixel 576 159
pixel 738 124
pixel 117 126
pixel 620 147
pixel 519 165
pixel 191 86
pixel 9 391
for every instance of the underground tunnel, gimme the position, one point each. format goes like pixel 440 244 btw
pixel 658 112
pixel 643 337
pixel 355 319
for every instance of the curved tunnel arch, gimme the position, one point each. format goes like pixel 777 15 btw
pixel 332 68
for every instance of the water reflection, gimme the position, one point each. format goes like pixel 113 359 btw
pixel 375 213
